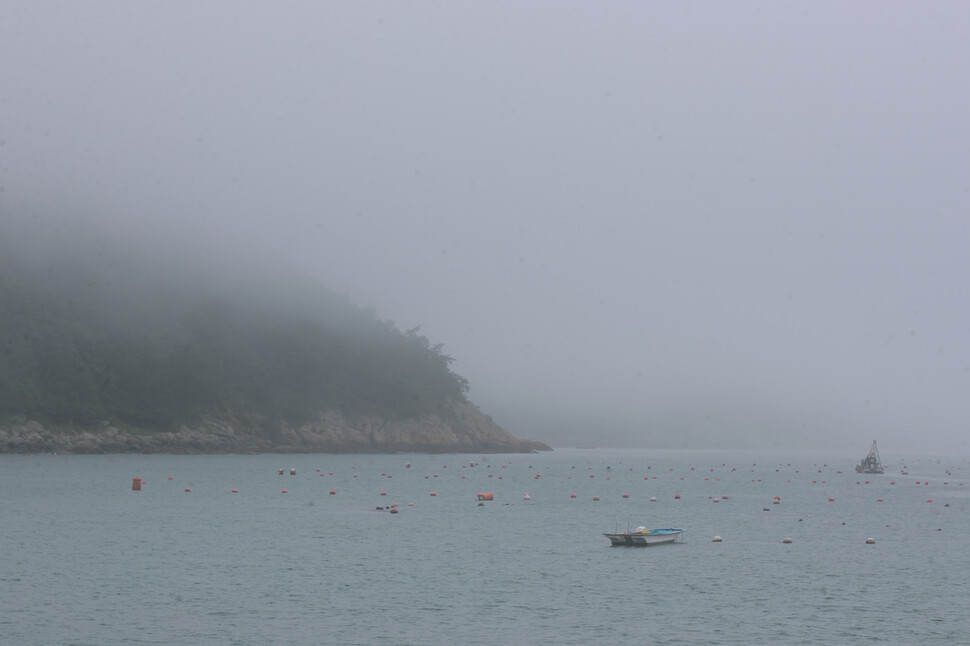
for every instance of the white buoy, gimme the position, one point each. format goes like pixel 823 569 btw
pixel 787 539
pixel 717 539
pixel 870 541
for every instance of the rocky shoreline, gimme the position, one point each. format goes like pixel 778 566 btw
pixel 464 429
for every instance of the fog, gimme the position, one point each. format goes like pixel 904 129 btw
pixel 731 225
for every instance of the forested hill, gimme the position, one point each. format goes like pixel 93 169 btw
pixel 127 356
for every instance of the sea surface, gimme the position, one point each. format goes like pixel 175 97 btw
pixel 211 551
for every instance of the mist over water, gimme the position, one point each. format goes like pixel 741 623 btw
pixel 634 225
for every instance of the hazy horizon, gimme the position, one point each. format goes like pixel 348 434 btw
pixel 632 224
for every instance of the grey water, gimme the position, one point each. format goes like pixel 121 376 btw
pixel 88 561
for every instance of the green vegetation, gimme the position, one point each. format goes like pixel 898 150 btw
pixel 111 340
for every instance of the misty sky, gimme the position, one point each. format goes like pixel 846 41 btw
pixel 667 224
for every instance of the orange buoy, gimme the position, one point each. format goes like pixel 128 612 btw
pixel 136 484
pixel 626 495
pixel 394 510
pixel 433 493
pixel 831 499
pixel 383 493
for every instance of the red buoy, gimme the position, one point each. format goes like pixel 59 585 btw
pixel 136 484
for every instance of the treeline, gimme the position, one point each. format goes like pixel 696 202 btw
pixel 86 342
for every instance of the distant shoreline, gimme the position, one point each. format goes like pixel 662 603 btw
pixel 467 431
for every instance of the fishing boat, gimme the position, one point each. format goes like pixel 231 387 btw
pixel 871 463
pixel 642 537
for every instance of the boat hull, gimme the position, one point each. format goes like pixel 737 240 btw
pixel 645 538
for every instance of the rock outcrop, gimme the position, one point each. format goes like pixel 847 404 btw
pixel 461 429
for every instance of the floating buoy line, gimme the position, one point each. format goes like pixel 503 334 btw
pixel 604 485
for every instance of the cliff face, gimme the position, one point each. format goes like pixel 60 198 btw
pixel 464 429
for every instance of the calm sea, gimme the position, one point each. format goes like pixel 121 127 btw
pixel 86 560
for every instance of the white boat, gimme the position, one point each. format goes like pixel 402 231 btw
pixel 642 537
